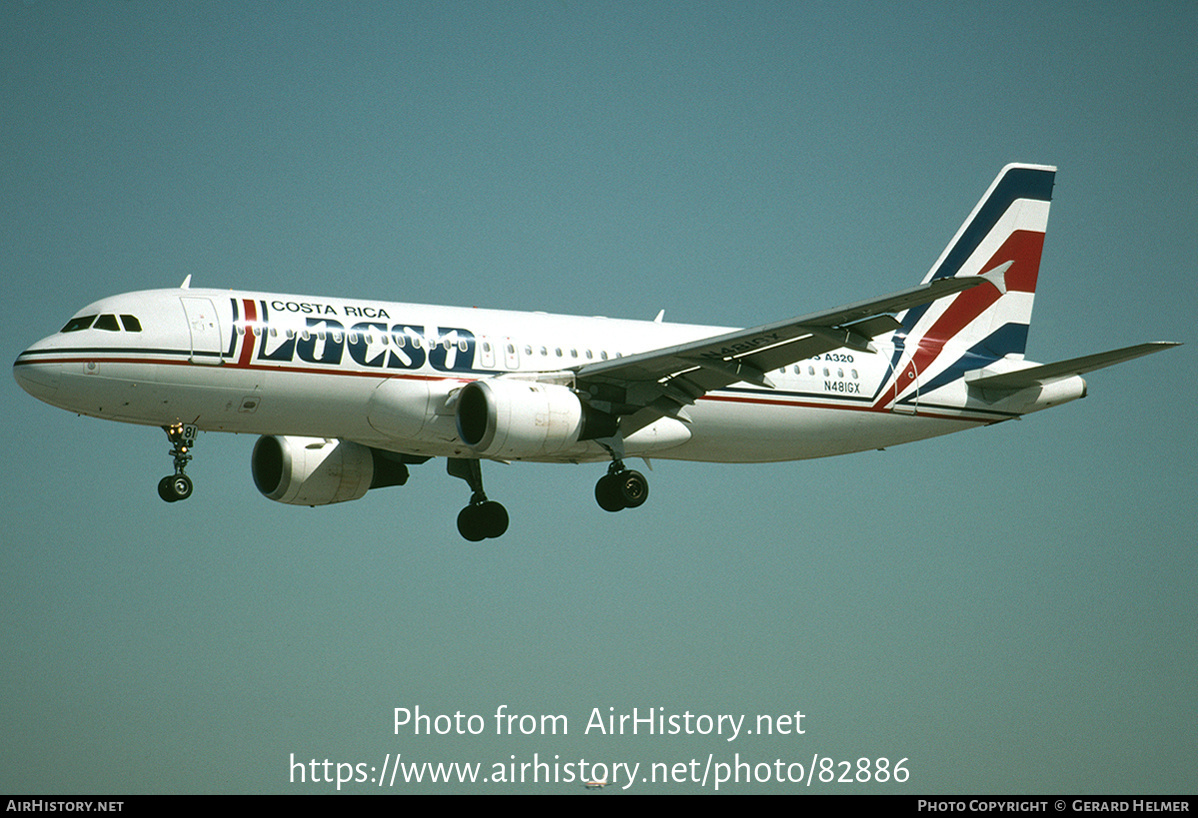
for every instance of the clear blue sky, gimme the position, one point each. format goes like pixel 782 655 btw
pixel 1011 609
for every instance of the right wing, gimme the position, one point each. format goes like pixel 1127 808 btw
pixel 662 382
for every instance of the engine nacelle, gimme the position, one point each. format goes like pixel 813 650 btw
pixel 513 419
pixel 316 471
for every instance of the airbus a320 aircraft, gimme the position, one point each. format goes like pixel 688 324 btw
pixel 348 393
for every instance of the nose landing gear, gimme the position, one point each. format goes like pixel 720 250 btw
pixel 177 486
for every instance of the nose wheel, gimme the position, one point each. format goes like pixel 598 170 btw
pixel 174 488
pixel 621 488
pixel 177 486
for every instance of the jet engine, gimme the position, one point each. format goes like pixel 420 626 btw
pixel 316 471
pixel 513 419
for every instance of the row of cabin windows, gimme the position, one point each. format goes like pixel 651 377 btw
pixel 557 352
pixel 798 370
pixel 105 322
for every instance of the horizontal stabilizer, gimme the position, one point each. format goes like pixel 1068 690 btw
pixel 1036 375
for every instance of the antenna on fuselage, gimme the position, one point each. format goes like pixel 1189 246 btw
pixel 186 285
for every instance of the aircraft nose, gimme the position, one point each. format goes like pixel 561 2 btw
pixel 38 378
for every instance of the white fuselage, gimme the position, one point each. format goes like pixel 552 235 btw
pixel 384 374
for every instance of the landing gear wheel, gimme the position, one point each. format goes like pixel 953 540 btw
pixel 494 517
pixel 607 493
pixel 634 488
pixel 165 490
pixel 621 488
pixel 482 521
pixel 470 525
pixel 175 487
pixel 181 486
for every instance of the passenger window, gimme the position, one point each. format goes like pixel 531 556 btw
pixel 76 324
pixel 107 322
pixel 131 323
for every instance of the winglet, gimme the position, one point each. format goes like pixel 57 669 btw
pixel 186 285
pixel 998 276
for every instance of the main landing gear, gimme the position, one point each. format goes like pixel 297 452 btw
pixel 483 518
pixel 177 486
pixel 621 488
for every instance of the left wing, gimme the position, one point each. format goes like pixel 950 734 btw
pixel 661 382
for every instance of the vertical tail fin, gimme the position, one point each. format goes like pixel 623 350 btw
pixel 1007 225
pixel 1002 239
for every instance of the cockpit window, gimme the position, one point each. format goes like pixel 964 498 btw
pixel 76 324
pixel 107 322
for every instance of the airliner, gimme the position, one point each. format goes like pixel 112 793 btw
pixel 346 393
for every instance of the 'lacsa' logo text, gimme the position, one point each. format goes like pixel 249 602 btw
pixel 373 344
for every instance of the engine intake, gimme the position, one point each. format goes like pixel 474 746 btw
pixel 316 471
pixel 523 419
